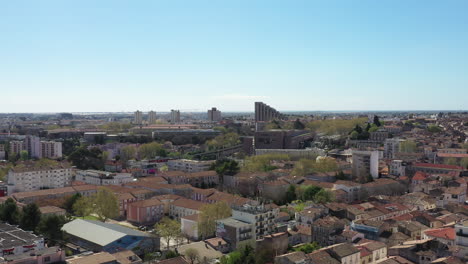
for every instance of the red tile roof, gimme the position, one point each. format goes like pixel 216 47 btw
pixel 438 166
pixel 445 233
pixel 419 176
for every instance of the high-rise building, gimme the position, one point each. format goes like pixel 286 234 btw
pixel 16 147
pixel 33 146
pixel 214 115
pixel 391 147
pixel 175 116
pixel 265 113
pixel 365 163
pixel 151 117
pixel 51 149
pixel 138 117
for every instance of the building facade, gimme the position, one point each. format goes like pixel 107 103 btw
pixel 31 178
pixel 214 115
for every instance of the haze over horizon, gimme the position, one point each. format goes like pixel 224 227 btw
pixel 113 56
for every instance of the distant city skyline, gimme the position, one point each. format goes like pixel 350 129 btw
pixel 113 56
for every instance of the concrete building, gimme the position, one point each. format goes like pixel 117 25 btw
pixel 15 241
pixel 265 113
pixel 51 149
pixel 33 145
pixel 282 139
pixel 214 115
pixel 16 147
pixel 461 238
pixel 96 177
pixel 391 147
pixel 2 152
pixel 186 165
pixel 175 116
pixel 262 217
pixel 365 163
pixel 36 256
pixel 145 212
pixel 397 168
pixel 138 117
pixel 151 117
pixel 31 177
pixel 237 233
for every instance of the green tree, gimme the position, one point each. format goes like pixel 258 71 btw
pixel 192 255
pixel 354 135
pixel 308 248
pixel 9 212
pixel 105 204
pixel 127 153
pixel 434 129
pixel 464 163
pixel 84 158
pixel 83 206
pixel 51 228
pixel 377 121
pixel 223 141
pixel 225 167
pixel 24 155
pixel 309 192
pixel 30 217
pixel 168 230
pixel 291 194
pixel 298 124
pixel 451 161
pixel 408 146
pixel 261 163
pixel 323 196
pixel 151 151
pixel 209 213
pixel 70 201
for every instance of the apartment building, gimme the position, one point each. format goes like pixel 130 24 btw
pixel 103 177
pixel 145 212
pixel 365 163
pixel 186 165
pixel 152 117
pixel 16 241
pixel 31 177
pixel 262 217
pixel 214 115
pixel 175 116
pixel 51 149
pixel 391 147
pixel 184 207
pixel 138 117
pixel 237 233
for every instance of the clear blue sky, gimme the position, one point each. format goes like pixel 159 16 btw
pixel 109 55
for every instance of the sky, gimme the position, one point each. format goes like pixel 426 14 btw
pixel 111 55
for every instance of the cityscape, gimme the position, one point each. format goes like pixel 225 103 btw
pixel 233 132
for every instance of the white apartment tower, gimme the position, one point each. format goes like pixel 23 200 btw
pixel 365 163
pixel 31 178
pixel 51 149
pixel 33 146
pixel 151 117
pixel 138 117
pixel 175 116
pixel 214 115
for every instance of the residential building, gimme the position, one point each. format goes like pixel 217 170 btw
pixel 96 177
pixel 175 116
pixel 237 233
pixel 265 113
pixel 138 117
pixel 262 217
pixel 189 226
pixel 16 241
pixel 151 117
pixel 145 212
pixel 32 177
pixel 36 256
pixel 184 207
pixel 397 168
pixel 325 230
pixel 282 139
pixel 16 147
pixel 187 165
pixel 391 147
pixel 365 163
pixel 461 237
pixel 214 115
pixel 51 149
pixel 33 146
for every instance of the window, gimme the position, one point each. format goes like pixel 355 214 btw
pixel 47 259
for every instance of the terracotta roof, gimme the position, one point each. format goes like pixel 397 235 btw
pixel 187 203
pixel 193 217
pixel 176 260
pixel 146 203
pixel 445 233
pixel 419 176
pixel 438 166
pixel 51 209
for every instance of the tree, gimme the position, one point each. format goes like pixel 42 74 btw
pixel 51 228
pixel 167 229
pixel 451 161
pixel 434 129
pixel 105 204
pixel 192 255
pixel 24 155
pixel 408 146
pixel 261 163
pixel 464 163
pixel 83 206
pixel 127 153
pixel 340 176
pixel 209 213
pixel 310 192
pixel 85 159
pixel 308 248
pixel 30 217
pixel 225 167
pixel 377 121
pixel 151 151
pixel 223 141
pixel 323 196
pixel 298 124
pixel 354 135
pixel 9 212
pixel 291 194
pixel 70 201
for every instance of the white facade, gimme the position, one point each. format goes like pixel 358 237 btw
pixel 31 179
pixel 175 116
pixel 186 165
pixel 33 146
pixel 391 147
pixel 397 168
pixel 96 177
pixel 461 237
pixel 365 163
pixel 151 117
pixel 263 219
